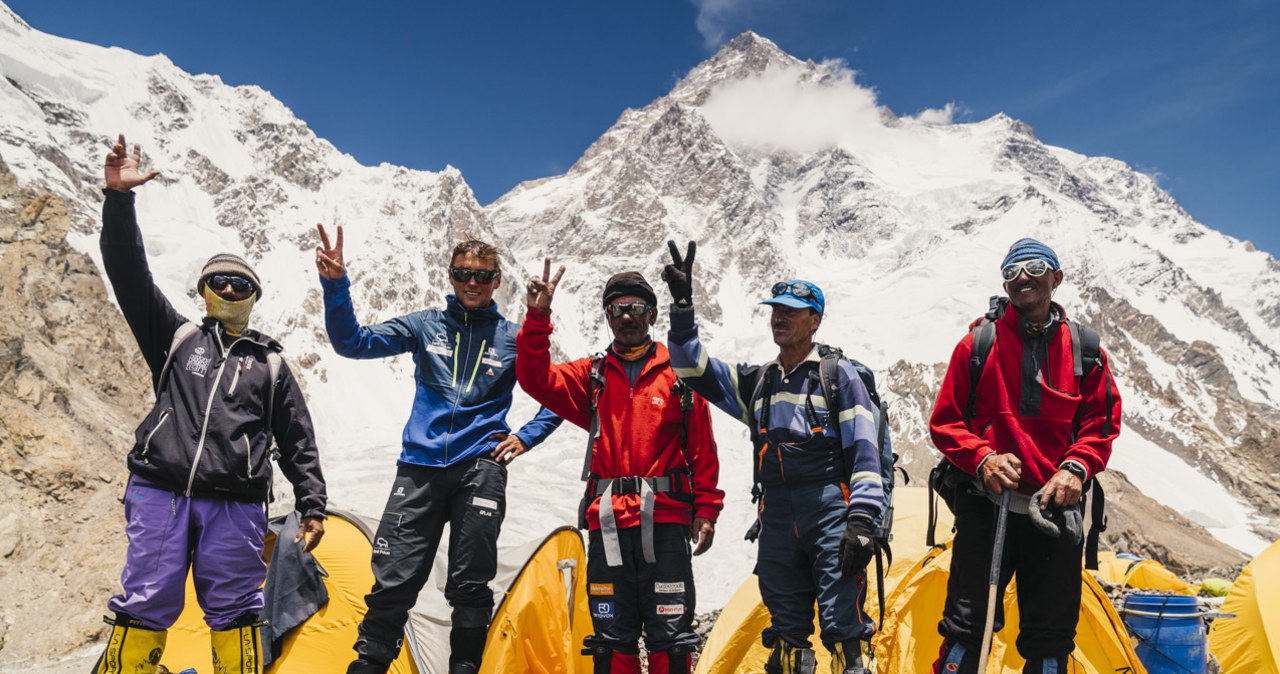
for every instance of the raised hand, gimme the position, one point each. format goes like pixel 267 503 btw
pixel 121 170
pixel 679 274
pixel 329 258
pixel 540 290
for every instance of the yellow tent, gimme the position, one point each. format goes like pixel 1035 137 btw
pixel 1250 642
pixel 908 642
pixel 322 643
pixel 1145 574
pixel 734 642
pixel 540 624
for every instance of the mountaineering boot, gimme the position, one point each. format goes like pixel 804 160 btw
pixel 132 648
pixel 787 659
pixel 466 647
pixel 670 662
pixel 846 658
pixel 1046 666
pixel 955 658
pixel 363 666
pixel 238 649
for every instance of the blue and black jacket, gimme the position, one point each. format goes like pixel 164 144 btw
pixel 790 450
pixel 465 374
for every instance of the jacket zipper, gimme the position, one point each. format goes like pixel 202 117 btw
pixel 236 379
pixel 248 457
pixel 457 396
pixel 204 427
pixel 146 444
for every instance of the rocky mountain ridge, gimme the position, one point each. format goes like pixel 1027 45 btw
pixel 892 219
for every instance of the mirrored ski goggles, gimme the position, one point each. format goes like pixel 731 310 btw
pixel 633 308
pixel 796 289
pixel 239 284
pixel 1035 268
pixel 482 276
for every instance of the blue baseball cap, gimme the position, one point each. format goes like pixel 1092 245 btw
pixel 797 295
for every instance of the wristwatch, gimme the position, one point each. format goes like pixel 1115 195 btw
pixel 1075 469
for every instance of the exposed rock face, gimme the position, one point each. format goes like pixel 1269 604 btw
pixel 72 388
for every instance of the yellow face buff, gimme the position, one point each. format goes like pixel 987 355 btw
pixel 234 315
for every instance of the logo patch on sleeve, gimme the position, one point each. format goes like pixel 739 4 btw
pixel 603 610
pixel 668 588
pixel 600 588
pixel 670 609
pixel 484 503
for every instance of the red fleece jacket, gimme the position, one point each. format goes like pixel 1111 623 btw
pixel 639 426
pixel 1032 417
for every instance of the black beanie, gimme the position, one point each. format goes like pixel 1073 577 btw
pixel 629 283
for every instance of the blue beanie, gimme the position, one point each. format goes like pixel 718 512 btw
pixel 1026 249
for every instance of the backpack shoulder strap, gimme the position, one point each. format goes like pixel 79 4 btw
pixel 275 362
pixel 1086 348
pixel 595 384
pixel 182 334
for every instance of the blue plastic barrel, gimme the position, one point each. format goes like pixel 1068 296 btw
pixel 1168 631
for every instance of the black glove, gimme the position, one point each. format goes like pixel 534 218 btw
pixel 1066 522
pixel 856 546
pixel 679 276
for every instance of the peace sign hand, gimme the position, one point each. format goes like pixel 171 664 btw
pixel 329 258
pixel 679 276
pixel 540 290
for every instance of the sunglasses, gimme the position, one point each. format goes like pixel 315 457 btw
pixel 633 308
pixel 482 276
pixel 239 284
pixel 1034 267
pixel 796 289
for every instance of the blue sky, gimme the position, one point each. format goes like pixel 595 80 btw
pixel 512 91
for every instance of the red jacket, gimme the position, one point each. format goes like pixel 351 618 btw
pixel 639 427
pixel 1032 420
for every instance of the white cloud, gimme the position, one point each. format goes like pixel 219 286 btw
pixel 803 109
pixel 783 108
pixel 714 17
pixel 936 116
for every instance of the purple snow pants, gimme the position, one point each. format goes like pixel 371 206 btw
pixel 221 541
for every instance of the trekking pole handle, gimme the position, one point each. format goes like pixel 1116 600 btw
pixel 1002 527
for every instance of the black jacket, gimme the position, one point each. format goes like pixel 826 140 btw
pixel 207 434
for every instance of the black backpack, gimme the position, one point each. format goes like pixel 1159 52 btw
pixel 1086 355
pixel 829 382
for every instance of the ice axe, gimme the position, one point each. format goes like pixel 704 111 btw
pixel 997 551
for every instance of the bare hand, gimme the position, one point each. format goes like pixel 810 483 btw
pixel 1063 489
pixel 508 449
pixel 311 529
pixel 1001 471
pixel 329 258
pixel 541 290
pixel 701 534
pixel 121 169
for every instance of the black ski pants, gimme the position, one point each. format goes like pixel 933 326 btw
pixel 657 598
pixel 1048 572
pixel 470 497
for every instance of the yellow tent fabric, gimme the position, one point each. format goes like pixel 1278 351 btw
pixel 323 643
pixel 1250 642
pixel 909 640
pixel 734 642
pixel 1145 574
pixel 540 624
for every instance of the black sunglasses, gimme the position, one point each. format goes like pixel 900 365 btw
pixel 482 276
pixel 633 308
pixel 796 289
pixel 239 284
